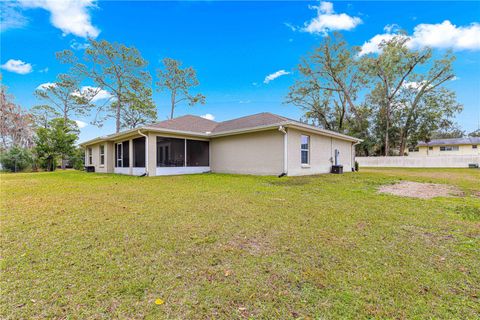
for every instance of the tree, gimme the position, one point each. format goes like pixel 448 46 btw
pixel 475 133
pixel 56 140
pixel 16 159
pixel 418 117
pixel 140 108
pixel 179 82
pixel 66 98
pixel 116 68
pixel 394 69
pixel 331 79
pixel 16 125
pixel 43 114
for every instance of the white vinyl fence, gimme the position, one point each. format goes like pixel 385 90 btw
pixel 460 161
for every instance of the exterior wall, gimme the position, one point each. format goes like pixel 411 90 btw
pixel 454 161
pixel 322 155
pixel 109 157
pixel 462 150
pixel 259 153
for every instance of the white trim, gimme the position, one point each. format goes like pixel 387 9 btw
pixel 121 170
pixel 167 171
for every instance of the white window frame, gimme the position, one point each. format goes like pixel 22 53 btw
pixel 117 158
pixel 102 154
pixel 303 149
pixel 449 148
pixel 90 156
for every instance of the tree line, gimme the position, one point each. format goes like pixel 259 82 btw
pixel 109 80
pixel 391 100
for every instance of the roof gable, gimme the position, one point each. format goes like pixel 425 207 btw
pixel 187 123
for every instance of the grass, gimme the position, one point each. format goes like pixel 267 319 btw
pixel 92 246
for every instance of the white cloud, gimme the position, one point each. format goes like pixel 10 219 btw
pixel 70 16
pixel 443 35
pixel 244 101
pixel 208 116
pixel 45 85
pixel 327 20
pixel 275 75
pixel 44 70
pixel 10 16
pixel 17 66
pixel 81 124
pixel 447 35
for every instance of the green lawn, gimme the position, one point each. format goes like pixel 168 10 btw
pixel 92 246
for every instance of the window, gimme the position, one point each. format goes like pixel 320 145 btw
pixel 90 156
pixel 122 155
pixel 197 153
pixel 474 146
pixel 305 149
pixel 119 154
pixel 170 152
pixel 139 152
pixel 430 148
pixel 102 155
pixel 449 148
pixel 413 149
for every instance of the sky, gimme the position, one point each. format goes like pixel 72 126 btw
pixel 245 53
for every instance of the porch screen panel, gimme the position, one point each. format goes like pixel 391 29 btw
pixel 126 154
pixel 197 153
pixel 170 152
pixel 118 155
pixel 139 152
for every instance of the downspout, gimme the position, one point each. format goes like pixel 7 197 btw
pixel 146 151
pixel 285 151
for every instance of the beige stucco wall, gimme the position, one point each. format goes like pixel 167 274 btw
pixel 466 150
pixel 322 150
pixel 109 157
pixel 258 153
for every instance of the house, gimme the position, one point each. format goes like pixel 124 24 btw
pixel 446 147
pixel 260 144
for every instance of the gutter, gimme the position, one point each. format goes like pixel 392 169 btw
pixel 146 150
pixel 285 151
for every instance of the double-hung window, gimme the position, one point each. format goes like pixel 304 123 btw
pixel 90 156
pixel 102 155
pixel 305 149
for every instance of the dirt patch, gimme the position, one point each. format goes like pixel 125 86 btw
pixel 421 190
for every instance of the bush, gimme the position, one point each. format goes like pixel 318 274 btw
pixel 77 159
pixel 356 166
pixel 16 159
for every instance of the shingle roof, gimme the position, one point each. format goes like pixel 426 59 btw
pixel 455 141
pixel 201 125
pixel 187 123
pixel 255 120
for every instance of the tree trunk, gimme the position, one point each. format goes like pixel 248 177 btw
pixel 64 165
pixel 172 101
pixel 117 115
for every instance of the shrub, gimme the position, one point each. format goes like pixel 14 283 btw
pixel 77 159
pixel 356 166
pixel 16 159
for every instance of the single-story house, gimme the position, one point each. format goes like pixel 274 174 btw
pixel 260 144
pixel 446 147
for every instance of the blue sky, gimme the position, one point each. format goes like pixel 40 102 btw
pixel 233 46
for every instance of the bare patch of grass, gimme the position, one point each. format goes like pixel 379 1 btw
pixel 421 190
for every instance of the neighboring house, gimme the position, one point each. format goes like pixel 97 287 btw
pixel 260 144
pixel 446 147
